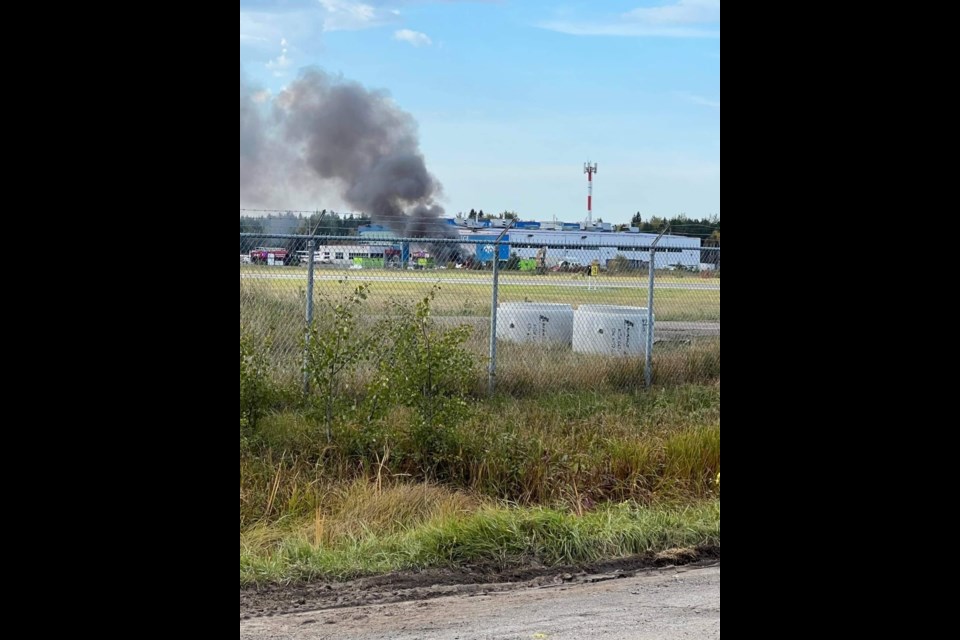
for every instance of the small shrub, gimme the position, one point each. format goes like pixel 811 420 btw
pixel 256 390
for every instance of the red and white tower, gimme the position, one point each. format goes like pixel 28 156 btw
pixel 590 169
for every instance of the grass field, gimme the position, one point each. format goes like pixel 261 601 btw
pixel 554 479
pixel 419 527
pixel 667 277
pixel 474 298
pixel 572 461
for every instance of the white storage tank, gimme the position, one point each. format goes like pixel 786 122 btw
pixel 610 330
pixel 535 322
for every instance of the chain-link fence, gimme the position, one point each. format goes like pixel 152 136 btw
pixel 566 310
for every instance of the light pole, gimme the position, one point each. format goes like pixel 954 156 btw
pixel 590 169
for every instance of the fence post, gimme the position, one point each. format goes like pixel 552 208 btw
pixel 306 343
pixel 492 369
pixel 648 368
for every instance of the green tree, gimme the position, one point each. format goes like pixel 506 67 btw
pixel 309 224
pixel 337 346
pixel 249 225
pixel 656 225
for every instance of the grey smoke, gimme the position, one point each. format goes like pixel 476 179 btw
pixel 323 130
pixel 252 151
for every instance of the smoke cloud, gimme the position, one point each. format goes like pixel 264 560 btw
pixel 325 130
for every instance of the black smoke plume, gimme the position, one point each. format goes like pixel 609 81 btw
pixel 324 127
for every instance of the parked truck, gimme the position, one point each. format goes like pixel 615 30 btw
pixel 269 255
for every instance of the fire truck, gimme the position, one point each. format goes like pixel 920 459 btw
pixel 269 255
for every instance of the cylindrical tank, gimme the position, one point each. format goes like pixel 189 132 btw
pixel 610 330
pixel 535 322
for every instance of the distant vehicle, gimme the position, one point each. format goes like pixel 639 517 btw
pixel 318 257
pixel 269 255
pixel 244 258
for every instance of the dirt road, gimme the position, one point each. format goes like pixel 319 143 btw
pixel 661 604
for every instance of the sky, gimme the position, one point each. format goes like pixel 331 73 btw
pixel 512 97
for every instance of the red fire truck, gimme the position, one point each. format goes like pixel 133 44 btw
pixel 269 255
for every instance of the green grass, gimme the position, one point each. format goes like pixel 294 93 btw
pixel 275 316
pixel 496 537
pixel 671 277
pixel 457 299
pixel 557 478
pixel 571 462
pixel 567 449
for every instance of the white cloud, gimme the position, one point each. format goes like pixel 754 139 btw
pixel 681 19
pixel 415 38
pixel 683 12
pixel 304 20
pixel 279 64
pixel 261 28
pixel 344 15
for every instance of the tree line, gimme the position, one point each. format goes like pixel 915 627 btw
pixel 332 223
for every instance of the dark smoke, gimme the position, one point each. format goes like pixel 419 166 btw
pixel 336 130
pixel 252 148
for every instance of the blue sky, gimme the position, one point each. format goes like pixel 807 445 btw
pixel 512 97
